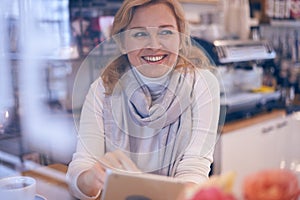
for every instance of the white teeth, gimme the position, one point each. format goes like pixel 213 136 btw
pixel 153 58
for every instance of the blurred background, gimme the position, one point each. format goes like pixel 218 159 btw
pixel 43 43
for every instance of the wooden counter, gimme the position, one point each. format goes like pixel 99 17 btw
pixel 51 182
pixel 242 123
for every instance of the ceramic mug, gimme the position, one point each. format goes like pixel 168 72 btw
pixel 18 187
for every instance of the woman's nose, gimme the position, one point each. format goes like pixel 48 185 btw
pixel 154 42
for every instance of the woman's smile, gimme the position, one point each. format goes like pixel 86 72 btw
pixel 154 59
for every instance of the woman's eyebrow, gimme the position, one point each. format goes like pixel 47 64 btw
pixel 137 27
pixel 167 26
pixel 145 27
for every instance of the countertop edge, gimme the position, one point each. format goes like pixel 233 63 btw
pixel 242 123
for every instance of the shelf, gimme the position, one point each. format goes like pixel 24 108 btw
pixel 102 4
pixel 285 23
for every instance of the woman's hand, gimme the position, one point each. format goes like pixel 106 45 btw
pixel 118 160
pixel 91 181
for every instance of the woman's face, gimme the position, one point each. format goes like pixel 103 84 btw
pixel 152 40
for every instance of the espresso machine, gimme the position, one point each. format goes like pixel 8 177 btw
pixel 241 68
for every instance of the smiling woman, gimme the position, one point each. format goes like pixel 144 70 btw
pixel 153 39
pixel 155 107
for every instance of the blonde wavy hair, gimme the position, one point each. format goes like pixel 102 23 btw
pixel 189 55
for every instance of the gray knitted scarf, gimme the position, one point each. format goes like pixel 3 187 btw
pixel 152 132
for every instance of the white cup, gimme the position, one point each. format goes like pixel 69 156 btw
pixel 18 187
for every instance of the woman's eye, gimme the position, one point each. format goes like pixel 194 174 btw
pixel 166 32
pixel 140 34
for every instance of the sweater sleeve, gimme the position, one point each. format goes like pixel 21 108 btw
pixel 90 139
pixel 194 166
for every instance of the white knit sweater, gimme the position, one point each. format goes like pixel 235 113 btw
pixel 194 165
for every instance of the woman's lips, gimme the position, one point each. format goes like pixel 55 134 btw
pixel 154 59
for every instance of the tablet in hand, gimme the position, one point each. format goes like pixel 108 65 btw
pixel 121 185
